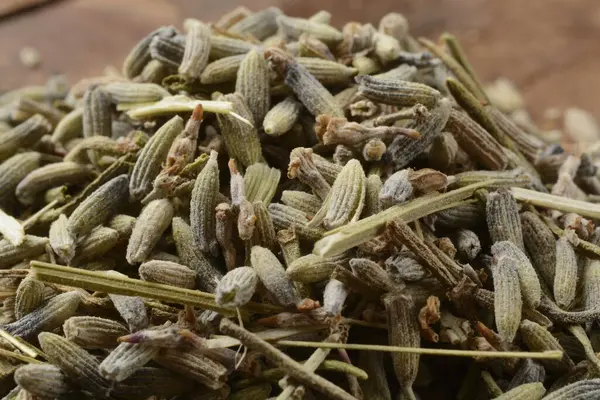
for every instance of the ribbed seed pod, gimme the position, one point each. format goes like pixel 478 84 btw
pixel 529 372
pixel 302 166
pixel 502 215
pixel 397 92
pixel 476 141
pixel 403 330
pixel 540 244
pixel 311 93
pixel 197 50
pixel 334 297
pixel 31 247
pixel 566 273
pixel 98 206
pixel 293 28
pixel 429 123
pixel 139 55
pixel 443 151
pixel 154 72
pixel 26 134
pixel 132 92
pixel 132 309
pixel 202 206
pixel 152 156
pixel 253 84
pixel 96 244
pixel 77 364
pixel 264 231
pixel 167 50
pixel 273 276
pixel 406 267
pixel 93 332
pixel 261 24
pixel 396 189
pixel 372 202
pixel 45 381
pixel 285 217
pixel 507 297
pixel 49 176
pixel 467 244
pixel 192 256
pixel 149 227
pixel 193 364
pixel 282 117
pixel 125 359
pixel 13 170
pixel 150 381
pixel 96 113
pixel 225 46
pixel 47 317
pixel 530 284
pixel 346 198
pixel 580 390
pixel 237 287
pixel 121 223
pixel 371 274
pixel 591 285
pixel 69 127
pixel 260 182
pixel 168 273
pixel 305 202
pixel 538 338
pixel 329 73
pixel 29 296
pixel 528 391
pixel 465 216
pixel 61 240
pixel 528 144
pixel 224 217
pixel 312 268
pixel 329 170
pixel 223 70
pixel 241 140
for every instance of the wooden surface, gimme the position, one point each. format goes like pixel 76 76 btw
pixel 550 48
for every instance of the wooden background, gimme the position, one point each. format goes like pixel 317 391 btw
pixel 549 48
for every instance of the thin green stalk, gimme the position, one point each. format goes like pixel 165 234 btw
pixel 341 239
pixel 27 349
pixel 460 56
pixel 543 355
pixel 559 203
pixel 19 357
pixel 115 284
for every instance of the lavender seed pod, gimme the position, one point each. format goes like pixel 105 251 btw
pixel 237 287
pixel 272 274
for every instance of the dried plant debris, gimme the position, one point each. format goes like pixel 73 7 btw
pixel 265 182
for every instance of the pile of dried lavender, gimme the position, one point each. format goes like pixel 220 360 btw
pixel 267 206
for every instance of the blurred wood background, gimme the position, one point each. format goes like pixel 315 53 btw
pixel 549 48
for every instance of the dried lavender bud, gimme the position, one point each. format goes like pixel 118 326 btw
pixel 580 390
pixel 197 50
pixel 237 287
pixel 125 359
pixel 282 117
pixel 29 296
pixel 203 204
pixel 99 242
pixel 396 189
pixel 398 93
pixel 42 380
pixel 168 273
pixel 538 338
pixel 261 24
pixel 140 54
pixel 302 166
pixel 99 206
pixel 253 83
pixel 312 268
pixel 540 244
pixel 507 297
pixel 78 365
pixel 403 330
pixel 527 391
pixel 530 284
pixel 241 139
pixel 566 271
pixel 154 219
pixel 32 246
pixel 13 170
pixel 467 244
pixel 192 257
pixel 373 189
pixel 406 267
pixel 502 215
pixel 152 156
pixel 93 332
pixel 194 365
pixel 24 135
pixel 121 223
pixel 132 310
pixel 272 274
pixel 303 201
pixel 334 297
pixel 370 273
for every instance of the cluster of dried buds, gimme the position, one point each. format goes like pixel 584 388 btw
pixel 269 207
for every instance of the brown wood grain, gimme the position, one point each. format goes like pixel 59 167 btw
pixel 550 48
